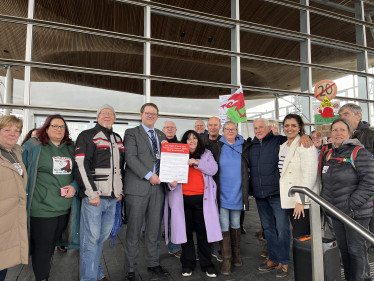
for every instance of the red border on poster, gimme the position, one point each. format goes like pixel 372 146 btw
pixel 175 148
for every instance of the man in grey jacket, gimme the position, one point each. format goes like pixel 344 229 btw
pixel 144 192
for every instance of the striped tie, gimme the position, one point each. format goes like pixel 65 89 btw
pixel 154 146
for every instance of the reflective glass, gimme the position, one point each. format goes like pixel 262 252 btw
pixel 14 8
pixel 107 15
pixel 13 41
pixel 18 85
pixel 80 90
pixel 79 49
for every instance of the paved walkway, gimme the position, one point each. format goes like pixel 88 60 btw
pixel 66 265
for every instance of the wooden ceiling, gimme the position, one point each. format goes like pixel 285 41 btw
pixel 77 49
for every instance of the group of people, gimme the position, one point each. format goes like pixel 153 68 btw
pixel 54 193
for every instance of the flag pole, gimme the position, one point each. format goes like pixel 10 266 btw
pixel 246 122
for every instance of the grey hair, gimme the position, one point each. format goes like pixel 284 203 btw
pixel 171 122
pixel 229 122
pixel 350 129
pixel 266 121
pixel 356 109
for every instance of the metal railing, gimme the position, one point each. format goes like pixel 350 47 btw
pixel 315 226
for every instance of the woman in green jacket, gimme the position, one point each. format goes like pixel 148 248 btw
pixel 52 206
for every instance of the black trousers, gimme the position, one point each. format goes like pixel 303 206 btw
pixel 301 226
pixel 45 233
pixel 194 216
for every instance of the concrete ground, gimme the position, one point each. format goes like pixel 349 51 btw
pixel 66 265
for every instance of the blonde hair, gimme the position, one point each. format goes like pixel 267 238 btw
pixel 10 120
pixel 274 124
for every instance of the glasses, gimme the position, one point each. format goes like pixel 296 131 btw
pixel 230 130
pixel 150 114
pixel 110 114
pixel 57 127
pixel 169 128
pixel 199 126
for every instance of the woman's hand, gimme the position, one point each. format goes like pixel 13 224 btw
pixel 299 209
pixel 71 191
pixel 173 183
pixel 193 162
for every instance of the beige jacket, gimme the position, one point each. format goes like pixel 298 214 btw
pixel 14 248
pixel 300 168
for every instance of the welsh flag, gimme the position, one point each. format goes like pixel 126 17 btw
pixel 235 106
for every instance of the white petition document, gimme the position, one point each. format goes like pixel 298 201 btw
pixel 173 166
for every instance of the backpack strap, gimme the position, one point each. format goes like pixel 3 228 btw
pixel 328 155
pixel 353 156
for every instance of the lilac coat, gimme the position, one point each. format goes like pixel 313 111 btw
pixel 174 199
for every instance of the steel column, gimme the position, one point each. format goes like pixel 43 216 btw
pixel 147 54
pixel 8 89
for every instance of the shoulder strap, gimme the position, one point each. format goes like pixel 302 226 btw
pixel 328 155
pixel 353 156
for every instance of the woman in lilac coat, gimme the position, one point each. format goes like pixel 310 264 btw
pixel 194 207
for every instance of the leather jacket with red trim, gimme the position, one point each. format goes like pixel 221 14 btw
pixel 99 157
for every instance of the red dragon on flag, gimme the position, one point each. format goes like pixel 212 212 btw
pixel 235 106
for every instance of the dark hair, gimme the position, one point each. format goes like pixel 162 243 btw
pixel 28 136
pixel 200 149
pixel 148 104
pixel 42 132
pixel 299 121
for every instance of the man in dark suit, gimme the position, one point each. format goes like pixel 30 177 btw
pixel 144 193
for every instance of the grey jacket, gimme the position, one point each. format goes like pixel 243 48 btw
pixel 139 160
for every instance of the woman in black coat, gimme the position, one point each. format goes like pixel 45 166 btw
pixel 349 186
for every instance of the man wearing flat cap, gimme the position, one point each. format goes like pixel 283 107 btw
pixel 97 169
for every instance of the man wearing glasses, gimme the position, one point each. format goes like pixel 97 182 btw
pixel 200 128
pixel 97 169
pixel 170 129
pixel 144 191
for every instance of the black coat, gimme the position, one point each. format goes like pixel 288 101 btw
pixel 347 188
pixel 216 151
pixel 365 134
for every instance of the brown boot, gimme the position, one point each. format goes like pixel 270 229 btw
pixel 235 246
pixel 226 253
pixel 264 252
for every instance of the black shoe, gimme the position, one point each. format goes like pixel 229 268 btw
pixel 243 229
pixel 158 270
pixel 210 272
pixel 186 272
pixel 130 276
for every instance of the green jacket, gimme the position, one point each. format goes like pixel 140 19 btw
pixel 30 157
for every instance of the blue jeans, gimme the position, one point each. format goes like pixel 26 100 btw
pixel 353 250
pixel 229 218
pixel 278 246
pixel 3 274
pixel 95 226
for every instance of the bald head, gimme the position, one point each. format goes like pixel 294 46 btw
pixel 200 126
pixel 214 125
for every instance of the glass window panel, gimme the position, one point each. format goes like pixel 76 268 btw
pixel 179 63
pixel 262 45
pixel 81 90
pixel 215 7
pixel 107 15
pixel 338 7
pixel 332 28
pixel 13 41
pixel 271 75
pixel 17 77
pixel 294 104
pixel 351 86
pixel 334 57
pixel 79 49
pixel 200 101
pixel 195 33
pixel 263 12
pixel 14 8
